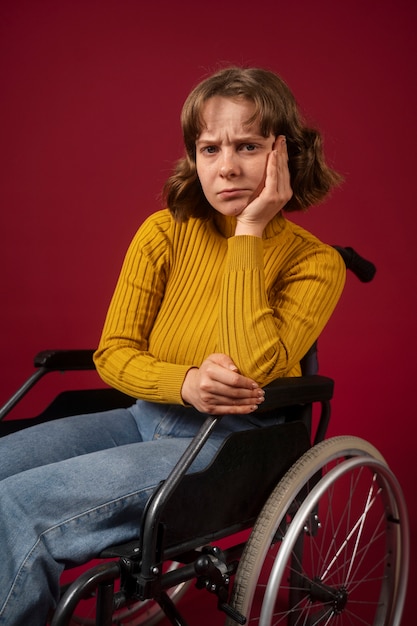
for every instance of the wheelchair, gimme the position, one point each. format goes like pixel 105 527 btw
pixel 284 527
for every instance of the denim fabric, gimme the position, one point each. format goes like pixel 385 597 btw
pixel 71 487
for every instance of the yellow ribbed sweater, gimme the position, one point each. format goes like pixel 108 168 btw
pixel 187 290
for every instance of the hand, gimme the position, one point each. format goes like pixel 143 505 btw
pixel 273 194
pixel 217 388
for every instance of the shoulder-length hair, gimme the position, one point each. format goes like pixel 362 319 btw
pixel 277 112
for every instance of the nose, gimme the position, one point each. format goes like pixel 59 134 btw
pixel 228 166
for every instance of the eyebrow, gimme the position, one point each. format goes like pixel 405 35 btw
pixel 241 139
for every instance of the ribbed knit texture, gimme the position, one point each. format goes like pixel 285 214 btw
pixel 187 290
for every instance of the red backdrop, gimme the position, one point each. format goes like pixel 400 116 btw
pixel 90 98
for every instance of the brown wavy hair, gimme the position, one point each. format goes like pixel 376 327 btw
pixel 278 114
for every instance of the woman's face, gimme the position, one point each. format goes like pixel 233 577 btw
pixel 230 155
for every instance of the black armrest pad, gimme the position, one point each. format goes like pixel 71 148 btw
pixel 297 390
pixel 62 360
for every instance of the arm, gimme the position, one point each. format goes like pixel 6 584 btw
pixel 266 334
pixel 122 358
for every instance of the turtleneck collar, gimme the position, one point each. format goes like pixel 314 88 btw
pixel 226 225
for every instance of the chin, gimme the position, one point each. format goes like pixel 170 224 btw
pixel 231 209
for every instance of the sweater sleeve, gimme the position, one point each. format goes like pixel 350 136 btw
pixel 122 358
pixel 266 335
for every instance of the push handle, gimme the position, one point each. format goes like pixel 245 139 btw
pixel 362 268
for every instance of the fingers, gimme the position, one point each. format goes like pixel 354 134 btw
pixel 213 404
pixel 217 388
pixel 223 360
pixel 272 196
pixel 278 174
pixel 219 369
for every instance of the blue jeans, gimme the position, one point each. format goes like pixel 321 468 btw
pixel 72 487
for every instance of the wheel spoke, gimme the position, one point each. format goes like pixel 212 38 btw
pixel 339 562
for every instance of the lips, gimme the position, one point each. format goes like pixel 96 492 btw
pixel 232 193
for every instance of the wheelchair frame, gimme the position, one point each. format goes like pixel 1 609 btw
pixel 281 503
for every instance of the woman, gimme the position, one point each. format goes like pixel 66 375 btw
pixel 218 295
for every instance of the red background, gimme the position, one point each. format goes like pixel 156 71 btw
pixel 90 98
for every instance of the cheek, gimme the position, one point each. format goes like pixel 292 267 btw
pixel 204 176
pixel 199 170
pixel 258 171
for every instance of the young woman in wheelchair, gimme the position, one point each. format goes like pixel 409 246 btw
pixel 219 294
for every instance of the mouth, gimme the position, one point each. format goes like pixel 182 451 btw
pixel 228 194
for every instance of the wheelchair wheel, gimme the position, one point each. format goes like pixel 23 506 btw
pixel 146 613
pixel 331 545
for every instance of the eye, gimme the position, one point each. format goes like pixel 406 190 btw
pixel 248 147
pixel 209 150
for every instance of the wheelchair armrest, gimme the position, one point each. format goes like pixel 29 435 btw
pixel 50 361
pixel 65 360
pixel 296 390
